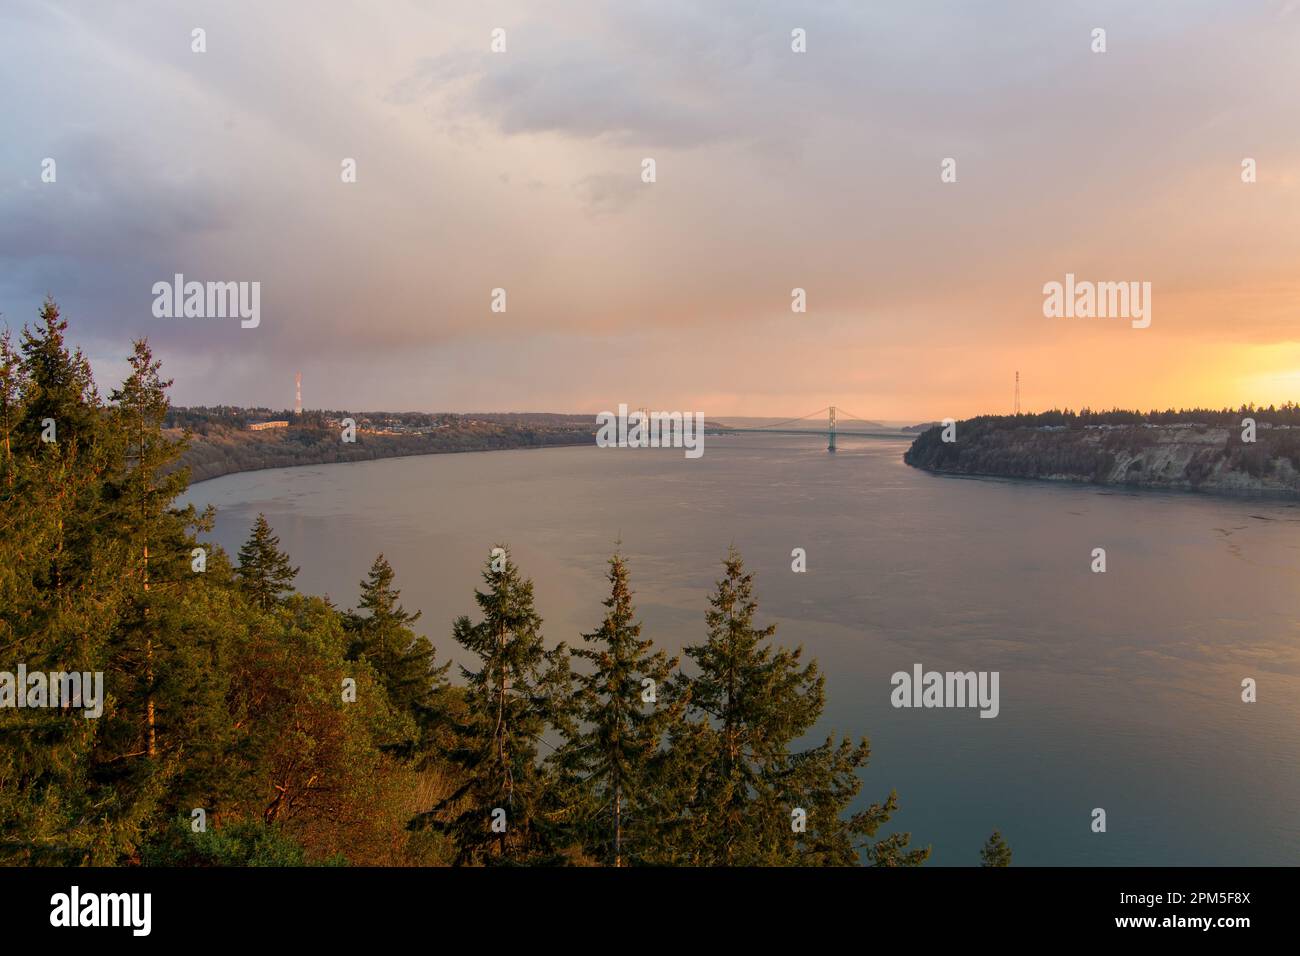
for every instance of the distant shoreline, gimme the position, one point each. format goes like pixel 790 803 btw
pixel 194 482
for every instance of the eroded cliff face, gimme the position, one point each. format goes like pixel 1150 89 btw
pixel 1203 458
pixel 1212 460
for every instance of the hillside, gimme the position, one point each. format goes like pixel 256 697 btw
pixel 1204 456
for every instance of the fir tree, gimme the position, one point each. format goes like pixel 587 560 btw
pixel 140 496
pixel 404 660
pixel 264 570
pixel 518 687
pixel 65 590
pixel 60 386
pixel 610 766
pixel 996 852
pixel 12 380
pixel 751 700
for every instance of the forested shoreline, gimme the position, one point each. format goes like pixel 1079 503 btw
pixel 248 724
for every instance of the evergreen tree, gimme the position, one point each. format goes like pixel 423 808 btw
pixel 264 570
pixel 139 498
pixel 63 574
pixel 996 852
pixel 170 722
pixel 403 659
pixel 609 767
pixel 12 381
pixel 60 386
pixel 495 815
pixel 751 700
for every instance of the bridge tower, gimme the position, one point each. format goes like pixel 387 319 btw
pixel 831 446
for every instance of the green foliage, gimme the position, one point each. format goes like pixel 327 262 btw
pixel 995 852
pixel 404 660
pixel 750 701
pixel 265 571
pixel 247 843
pixel 72 790
pixel 611 764
pixel 220 694
pixel 517 689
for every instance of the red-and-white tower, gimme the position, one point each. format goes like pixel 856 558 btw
pixel 297 398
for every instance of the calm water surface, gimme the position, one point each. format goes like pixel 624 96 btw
pixel 1118 690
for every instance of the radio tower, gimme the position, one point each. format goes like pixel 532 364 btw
pixel 297 398
pixel 1017 392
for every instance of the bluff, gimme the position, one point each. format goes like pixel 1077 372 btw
pixel 1189 456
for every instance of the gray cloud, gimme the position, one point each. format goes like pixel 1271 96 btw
pixel 522 170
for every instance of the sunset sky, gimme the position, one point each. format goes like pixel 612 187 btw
pixel 775 170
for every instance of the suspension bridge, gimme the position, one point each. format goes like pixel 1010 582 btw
pixel 834 417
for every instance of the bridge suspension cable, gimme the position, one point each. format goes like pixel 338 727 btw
pixel 791 421
pixel 849 416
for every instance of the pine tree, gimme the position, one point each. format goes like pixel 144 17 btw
pixel 750 701
pixel 996 852
pixel 264 570
pixel 495 815
pixel 403 659
pixel 609 768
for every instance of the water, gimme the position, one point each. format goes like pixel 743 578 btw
pixel 1118 690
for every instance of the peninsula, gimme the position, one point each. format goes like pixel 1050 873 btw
pixel 1247 450
pixel 226 439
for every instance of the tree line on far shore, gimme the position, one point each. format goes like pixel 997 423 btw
pixel 248 724
pixel 1286 414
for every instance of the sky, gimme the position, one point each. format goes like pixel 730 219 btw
pixel 774 170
